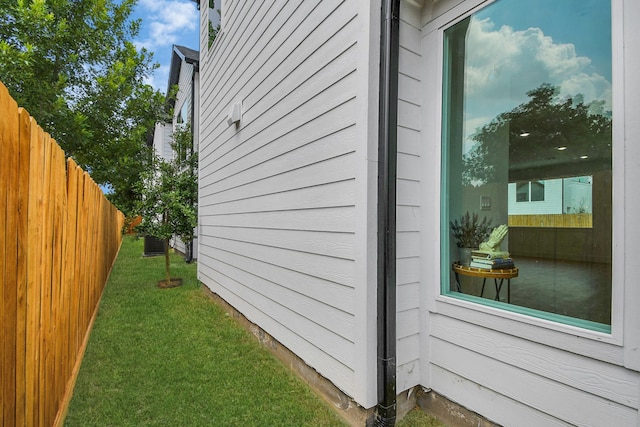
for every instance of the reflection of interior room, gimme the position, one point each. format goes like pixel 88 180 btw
pixel 560 242
pixel 570 288
pixel 564 255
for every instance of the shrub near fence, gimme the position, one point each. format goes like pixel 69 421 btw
pixel 60 238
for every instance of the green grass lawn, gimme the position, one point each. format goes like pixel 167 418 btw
pixel 172 357
pixel 417 418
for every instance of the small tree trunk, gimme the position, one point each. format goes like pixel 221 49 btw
pixel 166 261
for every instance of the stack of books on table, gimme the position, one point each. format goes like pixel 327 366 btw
pixel 491 261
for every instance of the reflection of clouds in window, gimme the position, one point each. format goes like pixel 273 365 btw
pixel 502 64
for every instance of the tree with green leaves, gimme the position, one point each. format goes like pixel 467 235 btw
pixel 169 194
pixel 72 64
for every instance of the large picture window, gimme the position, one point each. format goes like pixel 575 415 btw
pixel 527 124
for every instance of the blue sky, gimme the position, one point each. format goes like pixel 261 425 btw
pixel 165 23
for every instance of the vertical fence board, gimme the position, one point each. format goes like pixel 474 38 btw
pixel 61 237
pixel 24 126
pixel 85 278
pixel 75 296
pixel 81 232
pixel 11 264
pixel 45 313
pixel 34 277
pixel 59 185
pixel 8 198
pixel 5 139
pixel 69 268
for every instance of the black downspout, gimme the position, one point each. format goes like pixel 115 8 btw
pixel 387 167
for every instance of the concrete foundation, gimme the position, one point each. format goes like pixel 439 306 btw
pixel 448 412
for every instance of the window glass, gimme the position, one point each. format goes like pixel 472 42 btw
pixel 215 19
pixel 522 192
pixel 183 116
pixel 537 191
pixel 527 114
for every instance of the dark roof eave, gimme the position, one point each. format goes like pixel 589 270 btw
pixel 179 54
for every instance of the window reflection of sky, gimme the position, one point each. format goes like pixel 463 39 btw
pixel 512 49
pixel 583 23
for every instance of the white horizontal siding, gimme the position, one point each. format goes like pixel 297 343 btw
pixel 277 194
pixel 408 202
pixel 287 323
pixel 328 268
pixel 530 389
pixel 162 137
pixel 408 367
pixel 336 326
pixel 274 47
pixel 329 219
pixel 317 196
pixel 301 176
pixel 494 406
pixel 552 203
pixel 408 193
pixel 610 381
pixel 305 146
pixel 184 89
pixel 408 295
pixel 408 271
pixel 332 294
pixel 280 120
pixel 341 245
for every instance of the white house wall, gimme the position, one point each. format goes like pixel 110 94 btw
pixel 408 199
pixel 162 140
pixel 184 89
pixel 186 81
pixel 513 369
pixel 552 203
pixel 284 196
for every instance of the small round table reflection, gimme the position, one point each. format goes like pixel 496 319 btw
pixel 501 275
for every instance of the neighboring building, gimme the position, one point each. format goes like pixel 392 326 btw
pixel 551 196
pixel 334 240
pixel 183 73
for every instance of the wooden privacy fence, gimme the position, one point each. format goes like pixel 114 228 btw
pixel 60 237
pixel 582 220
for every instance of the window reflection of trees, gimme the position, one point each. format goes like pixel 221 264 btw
pixel 547 138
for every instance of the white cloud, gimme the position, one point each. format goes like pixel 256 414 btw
pixel 503 64
pixel 167 19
